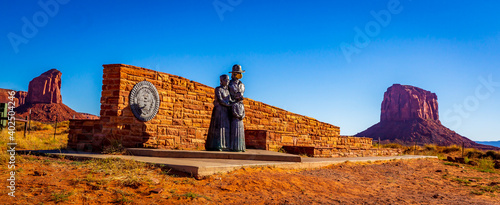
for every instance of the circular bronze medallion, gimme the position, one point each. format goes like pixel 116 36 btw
pixel 144 101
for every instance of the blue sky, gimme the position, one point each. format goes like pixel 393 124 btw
pixel 292 52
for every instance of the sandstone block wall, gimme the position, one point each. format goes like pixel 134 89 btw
pixel 341 151
pixel 185 111
pixel 82 132
pixel 274 140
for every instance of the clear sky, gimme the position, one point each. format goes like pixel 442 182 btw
pixel 331 60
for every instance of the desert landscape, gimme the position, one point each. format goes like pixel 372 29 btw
pixel 250 102
pixel 56 180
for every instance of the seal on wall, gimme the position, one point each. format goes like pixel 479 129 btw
pixel 144 101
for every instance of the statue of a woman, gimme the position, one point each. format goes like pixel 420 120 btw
pixel 219 130
pixel 236 89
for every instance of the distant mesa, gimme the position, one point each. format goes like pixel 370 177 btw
pixel 410 115
pixel 20 97
pixel 44 99
pixel 46 88
pixel 406 103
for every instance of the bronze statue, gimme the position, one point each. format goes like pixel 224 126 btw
pixel 236 89
pixel 226 131
pixel 237 139
pixel 219 130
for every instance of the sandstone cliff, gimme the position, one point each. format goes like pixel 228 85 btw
pixel 20 97
pixel 46 88
pixel 44 100
pixel 410 115
pixel 403 103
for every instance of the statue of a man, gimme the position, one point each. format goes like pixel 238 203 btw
pixel 236 90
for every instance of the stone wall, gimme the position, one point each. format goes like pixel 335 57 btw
pixel 274 140
pixel 341 151
pixel 184 115
pixel 82 132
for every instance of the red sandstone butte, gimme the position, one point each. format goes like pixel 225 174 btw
pixel 44 100
pixel 45 88
pixel 403 103
pixel 19 97
pixel 410 115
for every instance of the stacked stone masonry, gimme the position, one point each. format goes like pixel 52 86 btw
pixel 82 132
pixel 184 117
pixel 341 151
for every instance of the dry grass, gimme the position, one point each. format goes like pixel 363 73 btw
pixel 117 181
pixel 484 159
pixel 126 173
pixel 40 138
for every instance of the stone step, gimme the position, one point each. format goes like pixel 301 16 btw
pixel 250 154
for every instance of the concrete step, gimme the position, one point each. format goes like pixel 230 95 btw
pixel 250 154
pixel 205 167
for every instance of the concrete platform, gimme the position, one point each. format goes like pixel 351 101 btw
pixel 250 154
pixel 199 167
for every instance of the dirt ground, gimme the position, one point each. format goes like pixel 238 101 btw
pixel 45 180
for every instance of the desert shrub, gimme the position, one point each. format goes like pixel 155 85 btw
pixel 133 181
pixel 281 150
pixel 115 147
pixel 474 154
pixel 61 196
pixel 126 173
pixel 486 165
pixel 393 146
pixel 37 126
pixel 430 147
pixel 63 124
pixel 450 149
pixel 494 155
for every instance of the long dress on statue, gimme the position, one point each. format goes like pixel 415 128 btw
pixel 219 130
pixel 237 141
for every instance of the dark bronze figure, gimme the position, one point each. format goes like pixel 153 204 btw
pixel 237 140
pixel 219 130
pixel 226 131
pixel 236 89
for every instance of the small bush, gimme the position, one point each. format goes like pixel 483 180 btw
pixel 451 164
pixel 37 126
pixel 451 149
pixel 486 165
pixel 61 196
pixel 430 147
pixel 115 147
pixel 281 150
pixel 132 182
pixel 475 154
pixel 393 146
pixel 191 195
pixel 494 155
pixel 477 192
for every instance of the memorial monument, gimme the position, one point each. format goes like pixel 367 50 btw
pixel 146 108
pixel 227 131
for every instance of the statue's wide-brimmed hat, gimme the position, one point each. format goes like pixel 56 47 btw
pixel 237 69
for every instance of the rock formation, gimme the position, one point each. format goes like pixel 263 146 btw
pixel 43 99
pixel 46 88
pixel 410 115
pixel 20 97
pixel 403 103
